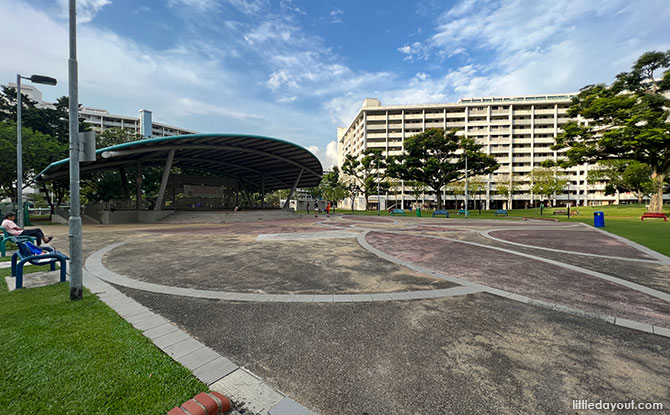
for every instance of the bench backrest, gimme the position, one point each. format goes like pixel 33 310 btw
pixel 26 249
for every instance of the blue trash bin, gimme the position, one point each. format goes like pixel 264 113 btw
pixel 599 219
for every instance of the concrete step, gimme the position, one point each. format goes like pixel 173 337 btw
pixel 228 217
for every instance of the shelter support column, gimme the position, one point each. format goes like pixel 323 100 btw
pixel 164 180
pixel 124 183
pixel 262 192
pixel 138 188
pixel 290 194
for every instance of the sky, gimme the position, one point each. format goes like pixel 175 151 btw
pixel 297 70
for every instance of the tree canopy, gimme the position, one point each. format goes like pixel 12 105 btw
pixel 547 181
pixel 628 120
pixel 363 174
pixel 437 158
pixel 624 176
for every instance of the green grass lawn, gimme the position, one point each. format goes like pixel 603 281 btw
pixel 79 357
pixel 622 220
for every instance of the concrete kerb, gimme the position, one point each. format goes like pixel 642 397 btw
pixel 659 256
pixel 487 234
pixel 207 365
pixel 661 331
pixel 628 284
pixel 94 265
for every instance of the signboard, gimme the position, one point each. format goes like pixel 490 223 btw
pixel 192 190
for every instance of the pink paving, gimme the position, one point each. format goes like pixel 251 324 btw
pixel 366 219
pixel 527 277
pixel 586 241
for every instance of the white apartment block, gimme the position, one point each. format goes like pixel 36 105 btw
pixel 517 131
pixel 101 120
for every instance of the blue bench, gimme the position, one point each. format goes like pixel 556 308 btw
pixel 24 255
pixel 398 212
pixel 441 212
pixel 500 212
pixel 7 238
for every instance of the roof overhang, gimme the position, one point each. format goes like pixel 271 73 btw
pixel 252 159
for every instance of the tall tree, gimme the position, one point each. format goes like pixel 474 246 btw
pixel 331 186
pixel 363 174
pixel 39 150
pixel 624 176
pixel 628 120
pixel 437 158
pixel 507 186
pixel 547 182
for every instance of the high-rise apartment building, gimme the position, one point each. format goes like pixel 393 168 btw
pixel 101 120
pixel 517 131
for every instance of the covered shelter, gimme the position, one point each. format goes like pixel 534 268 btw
pixel 233 161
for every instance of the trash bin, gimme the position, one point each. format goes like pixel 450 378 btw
pixel 599 219
pixel 418 212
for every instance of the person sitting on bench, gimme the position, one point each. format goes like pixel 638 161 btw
pixel 14 230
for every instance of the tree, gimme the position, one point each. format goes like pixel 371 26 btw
pixel 476 185
pixel 331 186
pixel 628 120
pixel 507 185
pixel 364 173
pixel 624 176
pixel 547 181
pixel 53 122
pixel 38 150
pixel 417 188
pixel 437 158
pixel 113 136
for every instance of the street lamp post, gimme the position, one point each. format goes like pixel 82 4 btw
pixel 74 222
pixel 466 185
pixel 37 79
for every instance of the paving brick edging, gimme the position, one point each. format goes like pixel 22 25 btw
pixel 216 371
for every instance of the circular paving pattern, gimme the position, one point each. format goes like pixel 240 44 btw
pixel 309 262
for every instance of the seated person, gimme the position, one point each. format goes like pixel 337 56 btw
pixel 14 230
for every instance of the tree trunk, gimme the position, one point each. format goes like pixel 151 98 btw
pixel 438 196
pixel 47 198
pixel 656 204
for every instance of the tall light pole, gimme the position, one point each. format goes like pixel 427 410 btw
pixel 37 79
pixel 75 218
pixel 466 184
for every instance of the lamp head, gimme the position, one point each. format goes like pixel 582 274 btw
pixel 41 79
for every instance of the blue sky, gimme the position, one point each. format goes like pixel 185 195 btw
pixel 298 69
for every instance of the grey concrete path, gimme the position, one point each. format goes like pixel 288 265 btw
pixel 218 372
pixel 94 265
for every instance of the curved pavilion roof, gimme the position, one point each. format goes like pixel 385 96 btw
pixel 248 157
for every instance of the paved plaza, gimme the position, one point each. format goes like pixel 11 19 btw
pixel 405 315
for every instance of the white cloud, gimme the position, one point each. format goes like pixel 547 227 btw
pixel 535 47
pixel 336 16
pixel 86 9
pixel 328 157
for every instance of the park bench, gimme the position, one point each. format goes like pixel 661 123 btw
pixel 463 211
pixel 24 254
pixel 500 212
pixel 654 215
pixel 441 212
pixel 398 212
pixel 7 238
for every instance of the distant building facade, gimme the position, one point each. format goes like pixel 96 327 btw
pixel 101 120
pixel 518 131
